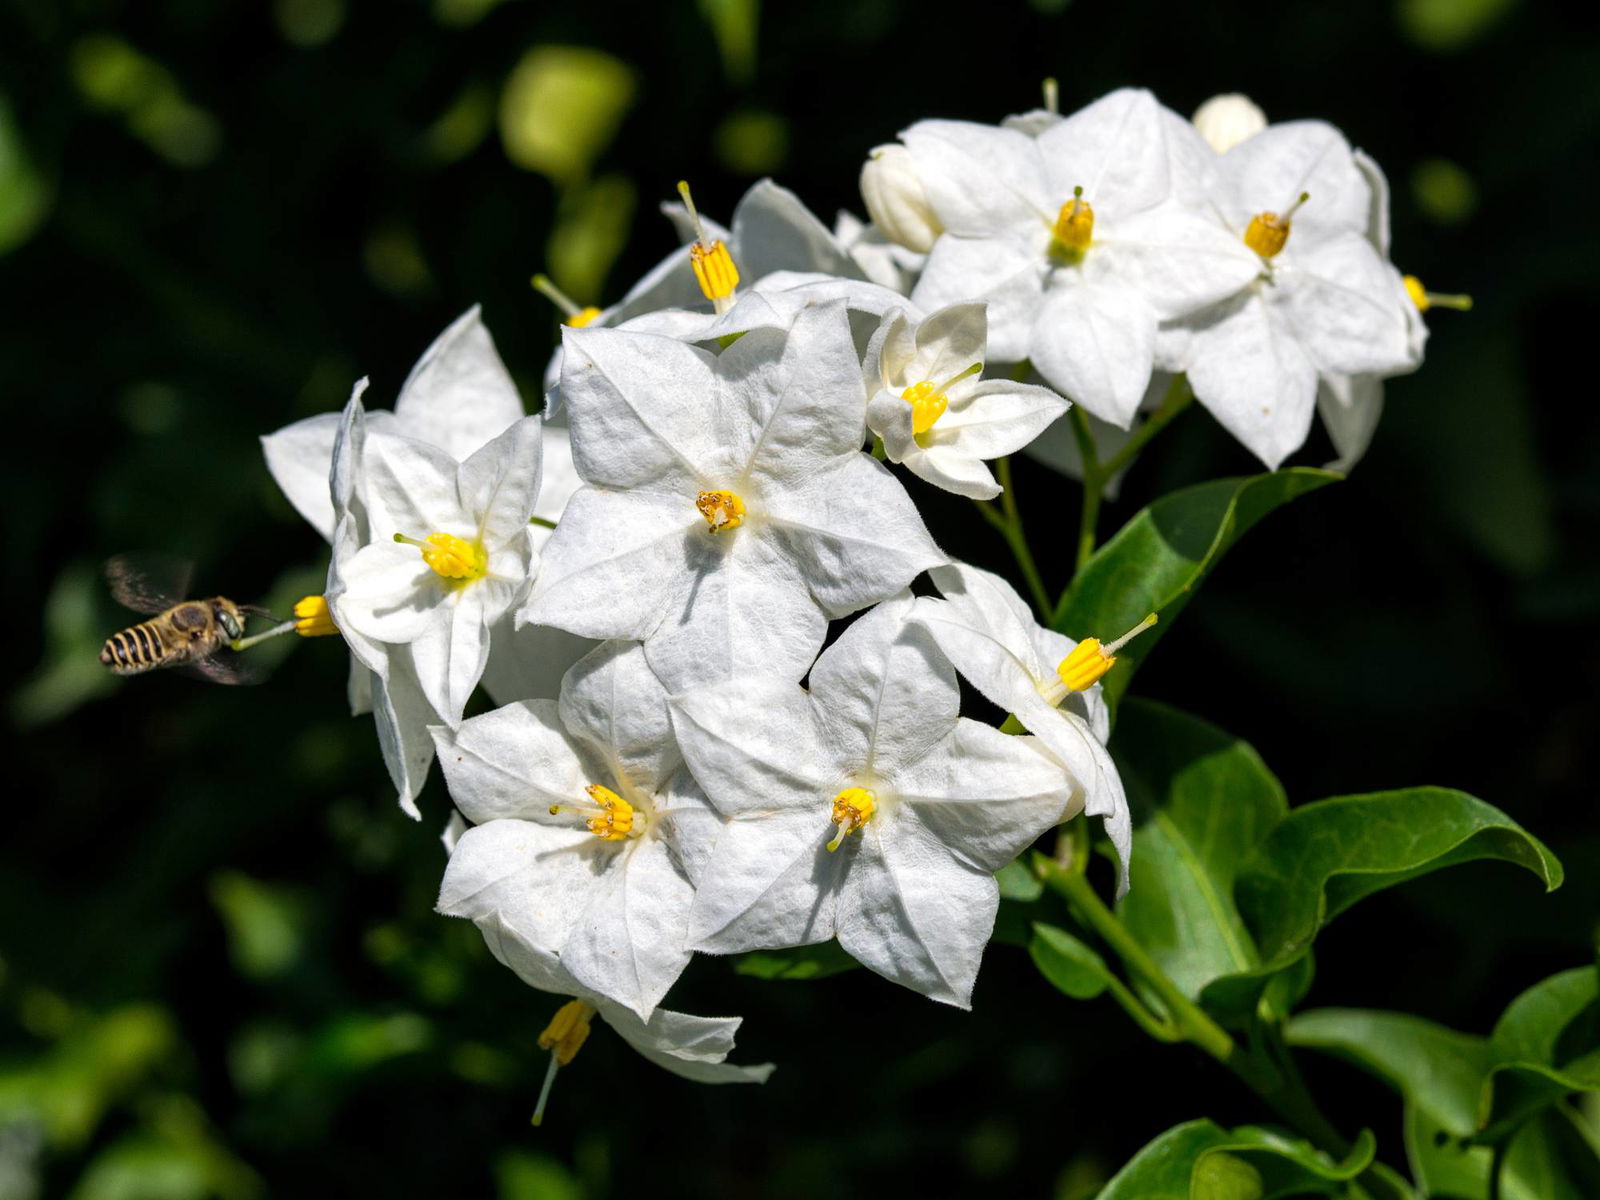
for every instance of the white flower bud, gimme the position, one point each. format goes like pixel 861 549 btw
pixel 1225 121
pixel 896 200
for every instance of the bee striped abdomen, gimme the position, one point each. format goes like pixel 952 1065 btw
pixel 138 648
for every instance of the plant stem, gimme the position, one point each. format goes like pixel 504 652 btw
pixel 1009 523
pixel 1093 486
pixel 1179 396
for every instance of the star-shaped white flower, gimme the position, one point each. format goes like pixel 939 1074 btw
pixel 865 808
pixel 1080 238
pixel 694 1047
pixel 988 632
pixel 448 552
pixel 728 510
pixel 935 413
pixel 1323 303
pixel 587 832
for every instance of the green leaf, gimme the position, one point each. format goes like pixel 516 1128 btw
pixel 1156 560
pixel 1202 800
pixel 1549 1159
pixel 1070 965
pixel 797 962
pixel 1325 856
pixel 1019 883
pixel 1200 1160
pixel 1545 1045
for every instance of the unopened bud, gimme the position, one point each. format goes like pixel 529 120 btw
pixel 1225 121
pixel 896 200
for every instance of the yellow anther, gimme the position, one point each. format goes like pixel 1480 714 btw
pixel 714 269
pixel 573 314
pixel 1268 232
pixel 1074 228
pixel 563 1037
pixel 852 808
pixel 722 510
pixel 1424 299
pixel 312 618
pixel 927 405
pixel 582 317
pixel 451 557
pixel 1089 660
pixel 610 818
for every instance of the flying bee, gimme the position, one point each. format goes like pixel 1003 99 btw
pixel 192 635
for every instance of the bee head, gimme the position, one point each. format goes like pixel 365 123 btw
pixel 227 615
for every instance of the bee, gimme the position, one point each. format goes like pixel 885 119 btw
pixel 192 635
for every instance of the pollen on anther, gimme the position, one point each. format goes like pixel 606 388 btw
pixel 312 618
pixel 723 510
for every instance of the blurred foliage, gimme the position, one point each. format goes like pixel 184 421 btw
pixel 222 974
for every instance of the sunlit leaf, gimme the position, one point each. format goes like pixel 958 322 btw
pixel 24 197
pixel 1200 1160
pixel 797 962
pixel 561 107
pixel 733 24
pixel 1071 966
pixel 591 229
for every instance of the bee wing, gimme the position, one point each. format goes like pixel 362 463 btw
pixel 225 666
pixel 149 582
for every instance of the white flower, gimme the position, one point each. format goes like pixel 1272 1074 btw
pixel 448 552
pixel 586 830
pixel 896 200
pixel 1324 301
pixel 1047 681
pixel 934 413
pixel 1226 120
pixel 1057 447
pixel 865 808
pixel 729 510
pixel 1080 239
pixel 885 263
pixel 694 1047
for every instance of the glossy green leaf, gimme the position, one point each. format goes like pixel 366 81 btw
pixel 1019 883
pixel 1202 800
pixel 1200 1160
pixel 1070 965
pixel 1154 563
pixel 1545 1045
pixel 797 962
pixel 1548 1159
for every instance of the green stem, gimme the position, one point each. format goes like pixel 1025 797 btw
pixel 542 522
pixel 1008 521
pixel 1497 1165
pixel 1179 396
pixel 1093 486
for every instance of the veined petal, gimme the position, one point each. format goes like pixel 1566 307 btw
pixel 459 396
pixel 560 477
pixel 1341 300
pixel 514 762
pixel 771 883
pixel 300 458
pixel 1350 407
pixel 693 1047
pixel 914 914
pixel 538 880
pixel 642 409
pixel 410 487
pixel 528 663
pixel 773 230
pixel 402 715
pixel 613 700
pixel 609 570
pixel 1005 272
pixel 390 594
pixel 985 603
pixel 854 533
pixel 1178 261
pixel 952 469
pixel 1096 344
pixel 951 340
pixel 499 484
pixel 997 417
pixel 885 679
pixel 980 179
pixel 1270 171
pixel 1115 149
pixel 1252 374
pixel 450 652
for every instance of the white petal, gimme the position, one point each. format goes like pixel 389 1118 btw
pixel 560 477
pixel 1178 261
pixel 539 879
pixel 1251 373
pixel 997 417
pixel 1096 344
pixel 514 762
pixel 612 699
pixel 300 457
pixel 984 602
pixel 410 488
pixel 611 568
pixel 1115 149
pixel 1269 172
pixel 951 340
pixel 1005 272
pixel 883 681
pixel 854 533
pixel 692 1047
pixel 915 915
pixel 528 663
pixel 771 883
pixel 402 715
pixel 450 652
pixel 1343 304
pixel 499 484
pixel 980 179
pixel 774 231
pixel 390 594
pixel 459 395
pixel 1351 419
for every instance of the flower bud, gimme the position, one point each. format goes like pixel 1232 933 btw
pixel 1225 121
pixel 896 200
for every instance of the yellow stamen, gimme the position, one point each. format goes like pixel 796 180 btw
pixel 1089 660
pixel 927 405
pixel 451 557
pixel 1424 299
pixel 610 820
pixel 723 510
pixel 563 1037
pixel 582 317
pixel 1074 228
pixel 572 314
pixel 1268 232
pixel 312 618
pixel 1052 95
pixel 712 264
pixel 852 808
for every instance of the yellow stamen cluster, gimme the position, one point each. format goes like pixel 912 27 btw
pixel 312 618
pixel 563 1037
pixel 927 405
pixel 1089 660
pixel 852 808
pixel 611 823
pixel 451 557
pixel 582 317
pixel 1074 228
pixel 723 510
pixel 714 270
pixel 1268 232
pixel 1424 299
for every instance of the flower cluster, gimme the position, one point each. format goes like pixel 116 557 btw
pixel 643 576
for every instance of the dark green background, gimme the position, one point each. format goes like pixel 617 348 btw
pixel 221 973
